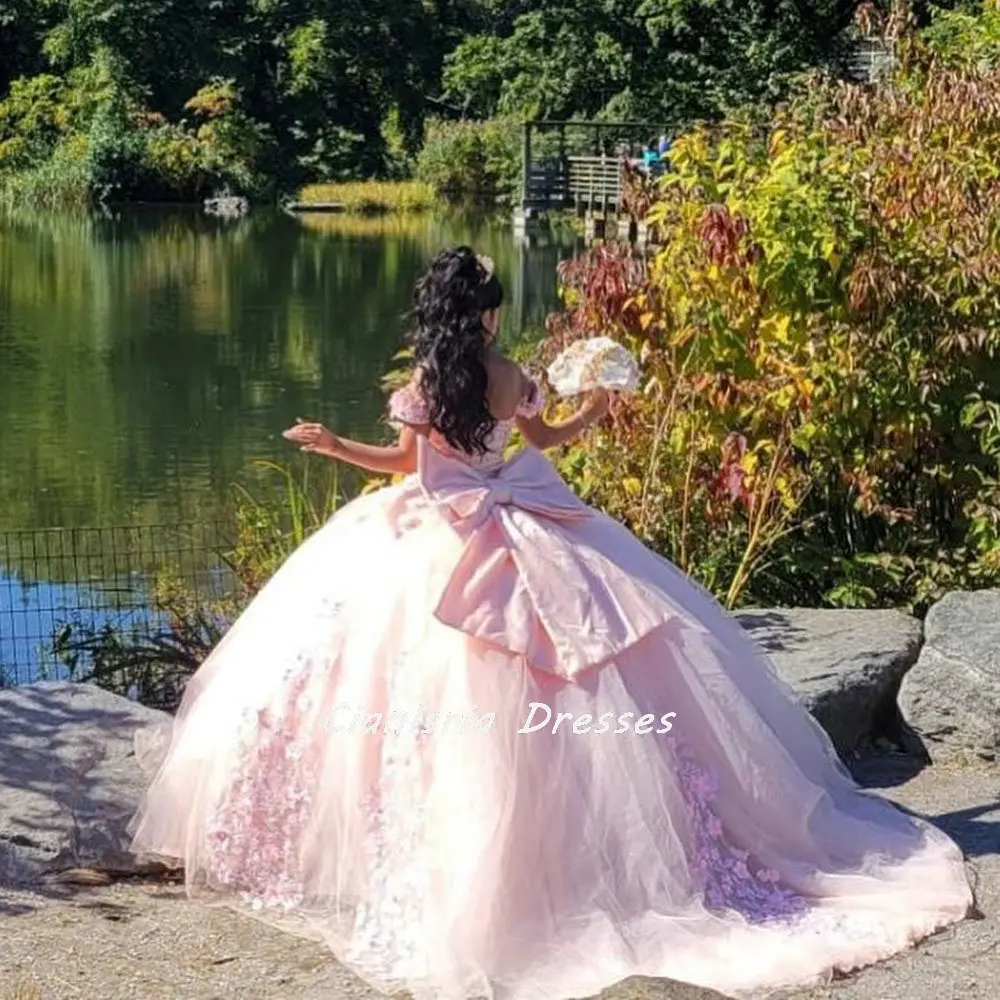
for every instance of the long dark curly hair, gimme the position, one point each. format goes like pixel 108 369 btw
pixel 449 344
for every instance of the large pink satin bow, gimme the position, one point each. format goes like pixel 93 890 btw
pixel 527 481
pixel 532 578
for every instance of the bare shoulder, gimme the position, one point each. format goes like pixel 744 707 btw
pixel 505 370
pixel 507 384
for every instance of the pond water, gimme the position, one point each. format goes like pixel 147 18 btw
pixel 147 357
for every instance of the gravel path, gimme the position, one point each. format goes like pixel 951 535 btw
pixel 145 941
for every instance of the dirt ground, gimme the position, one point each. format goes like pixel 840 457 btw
pixel 146 941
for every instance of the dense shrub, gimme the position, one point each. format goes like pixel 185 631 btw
pixel 235 150
pixel 820 331
pixel 115 159
pixel 965 39
pixel 86 141
pixel 33 118
pixel 471 158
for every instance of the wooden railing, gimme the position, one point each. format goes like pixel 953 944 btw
pixel 578 165
pixel 546 185
pixel 580 182
pixel 872 60
pixel 594 181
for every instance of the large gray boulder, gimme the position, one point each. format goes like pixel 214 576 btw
pixel 951 698
pixel 69 781
pixel 846 666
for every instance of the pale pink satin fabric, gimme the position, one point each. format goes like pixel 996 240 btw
pixel 731 850
pixel 524 585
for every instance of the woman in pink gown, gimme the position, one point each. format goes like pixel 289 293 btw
pixel 483 743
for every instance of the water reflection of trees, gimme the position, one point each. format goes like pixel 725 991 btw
pixel 144 359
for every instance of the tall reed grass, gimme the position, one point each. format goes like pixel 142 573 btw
pixel 371 197
pixel 392 225
pixel 277 512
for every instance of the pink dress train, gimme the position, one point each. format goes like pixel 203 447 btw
pixel 398 750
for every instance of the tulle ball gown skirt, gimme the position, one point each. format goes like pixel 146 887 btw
pixel 483 743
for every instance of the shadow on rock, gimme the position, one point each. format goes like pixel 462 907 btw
pixel 69 782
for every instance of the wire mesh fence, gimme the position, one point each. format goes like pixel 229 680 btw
pixel 92 578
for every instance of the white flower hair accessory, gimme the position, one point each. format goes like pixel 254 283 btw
pixel 488 266
pixel 595 363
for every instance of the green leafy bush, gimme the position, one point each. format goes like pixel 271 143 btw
pixel 969 39
pixel 115 161
pixel 235 150
pixel 176 159
pixel 820 332
pixel 33 118
pixel 471 158
pixel 86 141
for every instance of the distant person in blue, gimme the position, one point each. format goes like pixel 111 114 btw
pixel 654 157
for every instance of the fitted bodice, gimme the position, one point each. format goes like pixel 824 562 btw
pixel 409 406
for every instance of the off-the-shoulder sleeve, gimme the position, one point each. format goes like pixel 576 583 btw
pixel 533 401
pixel 408 405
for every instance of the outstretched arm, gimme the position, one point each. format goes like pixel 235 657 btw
pixel 542 435
pixel 398 458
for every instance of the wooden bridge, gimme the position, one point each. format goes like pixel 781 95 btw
pixel 577 167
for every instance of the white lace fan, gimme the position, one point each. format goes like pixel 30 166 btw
pixel 595 363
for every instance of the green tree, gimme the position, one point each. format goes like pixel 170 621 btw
pixel 320 78
pixel 657 60
pixel 23 25
pixel 323 89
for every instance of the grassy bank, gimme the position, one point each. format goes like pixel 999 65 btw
pixel 371 197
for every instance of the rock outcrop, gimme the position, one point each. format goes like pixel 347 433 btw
pixel 951 697
pixel 69 780
pixel 845 665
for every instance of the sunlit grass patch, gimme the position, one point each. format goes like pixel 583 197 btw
pixel 371 196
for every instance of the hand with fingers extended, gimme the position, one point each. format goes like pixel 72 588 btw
pixel 313 438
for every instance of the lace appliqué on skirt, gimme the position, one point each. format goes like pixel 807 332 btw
pixel 731 879
pixel 255 834
pixel 733 882
pixel 388 938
